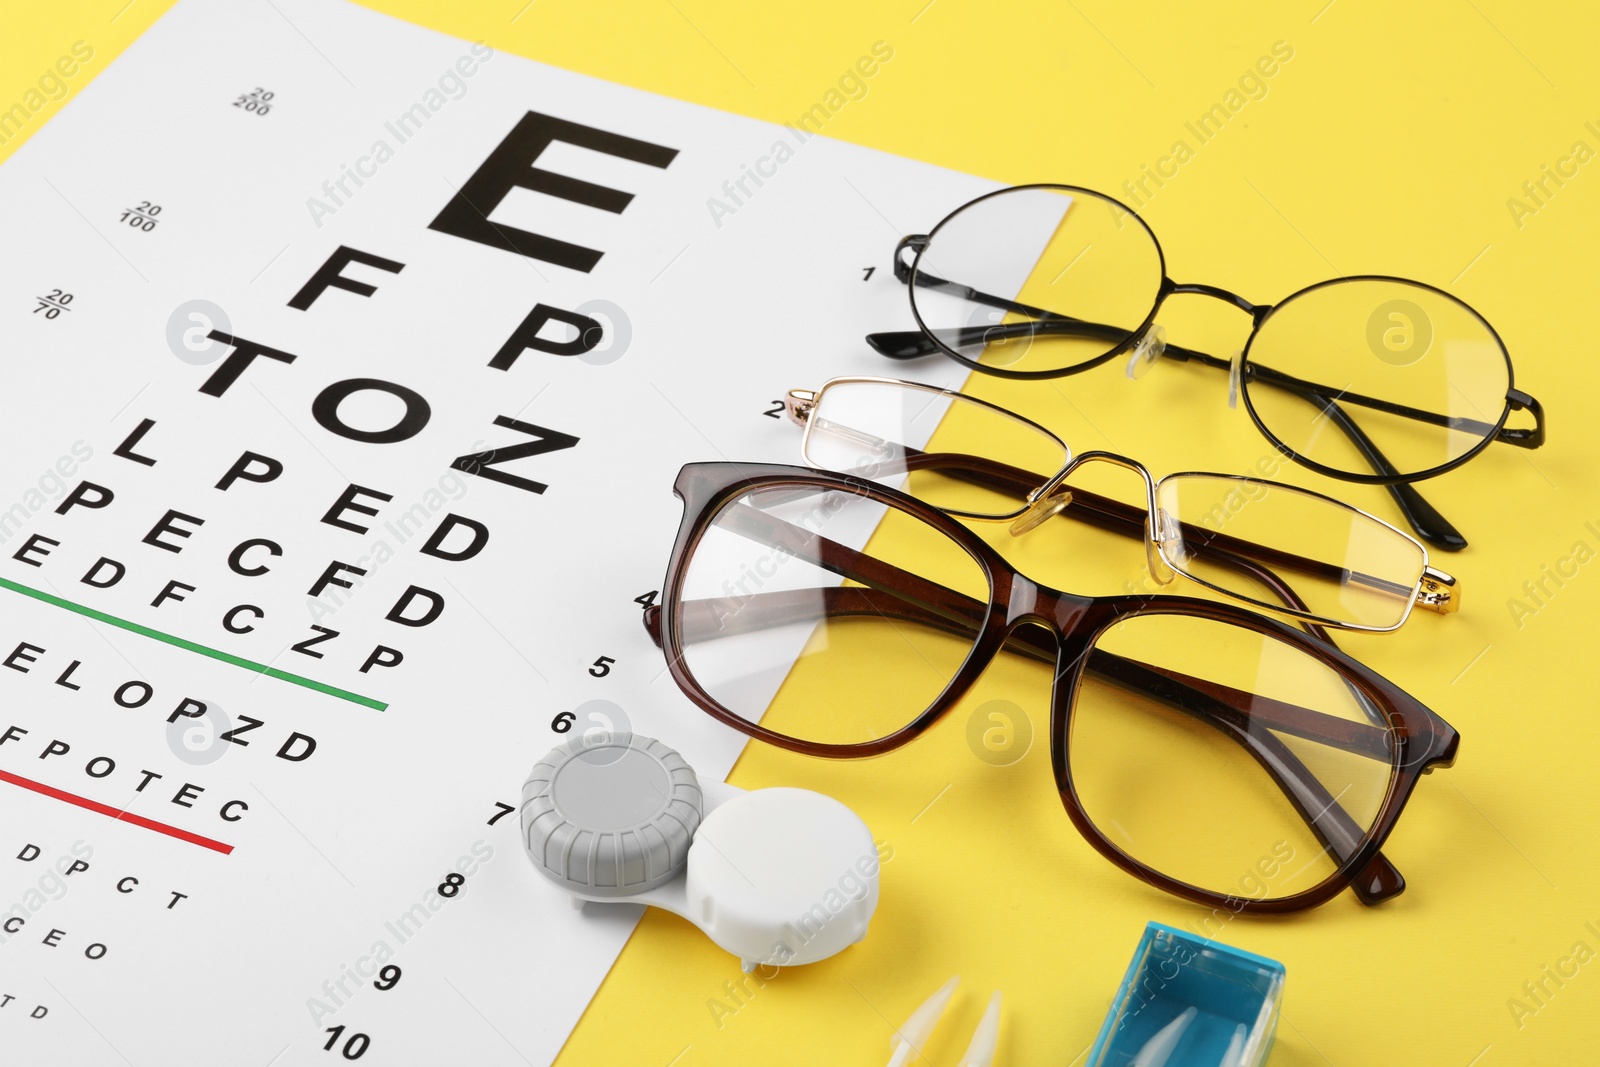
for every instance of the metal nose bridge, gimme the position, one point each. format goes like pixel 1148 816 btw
pixel 1055 495
pixel 1055 485
pixel 1257 312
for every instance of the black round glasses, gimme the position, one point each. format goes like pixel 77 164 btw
pixel 1368 378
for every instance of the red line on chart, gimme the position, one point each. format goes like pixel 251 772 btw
pixel 116 813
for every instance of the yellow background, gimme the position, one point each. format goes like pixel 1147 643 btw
pixel 1390 143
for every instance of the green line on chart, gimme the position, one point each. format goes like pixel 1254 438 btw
pixel 237 661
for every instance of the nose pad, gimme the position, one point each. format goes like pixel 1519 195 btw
pixel 1160 570
pixel 1046 507
pixel 1146 350
pixel 1235 370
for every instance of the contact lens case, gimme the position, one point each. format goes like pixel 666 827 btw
pixel 778 877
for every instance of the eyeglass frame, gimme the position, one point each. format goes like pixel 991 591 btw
pixel 1421 740
pixel 1418 512
pixel 1435 590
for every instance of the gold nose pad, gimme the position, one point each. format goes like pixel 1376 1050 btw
pixel 1047 507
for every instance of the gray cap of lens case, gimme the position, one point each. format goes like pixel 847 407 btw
pixel 613 816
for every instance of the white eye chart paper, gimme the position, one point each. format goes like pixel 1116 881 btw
pixel 348 370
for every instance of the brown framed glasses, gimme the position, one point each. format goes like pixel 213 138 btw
pixel 1195 744
pixel 1274 546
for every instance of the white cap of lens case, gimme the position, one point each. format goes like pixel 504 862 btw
pixel 778 877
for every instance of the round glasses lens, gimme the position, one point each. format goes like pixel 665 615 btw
pixel 1416 373
pixel 1286 548
pixel 1037 278
pixel 824 615
pixel 1224 758
pixel 942 448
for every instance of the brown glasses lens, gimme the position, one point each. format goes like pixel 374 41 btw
pixel 826 616
pixel 1225 758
